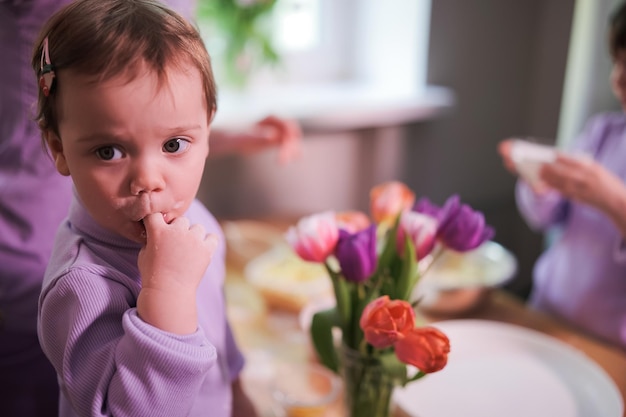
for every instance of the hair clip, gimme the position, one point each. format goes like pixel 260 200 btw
pixel 46 78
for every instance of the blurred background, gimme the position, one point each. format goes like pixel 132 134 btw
pixel 419 91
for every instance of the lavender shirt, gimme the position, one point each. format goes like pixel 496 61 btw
pixel 582 276
pixel 109 361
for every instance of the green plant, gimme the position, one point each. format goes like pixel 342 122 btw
pixel 245 27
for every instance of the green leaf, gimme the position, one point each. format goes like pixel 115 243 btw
pixel 394 368
pixel 389 251
pixel 322 336
pixel 408 271
pixel 342 295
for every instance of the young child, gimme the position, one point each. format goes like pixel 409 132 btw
pixel 582 276
pixel 132 313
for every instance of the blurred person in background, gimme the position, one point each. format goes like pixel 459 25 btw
pixel 581 277
pixel 34 200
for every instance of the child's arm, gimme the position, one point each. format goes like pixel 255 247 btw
pixel 539 210
pixel 110 362
pixel 172 265
pixel 268 132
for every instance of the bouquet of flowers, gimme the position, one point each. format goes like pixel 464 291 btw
pixel 374 264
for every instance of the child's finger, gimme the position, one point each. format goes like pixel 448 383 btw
pixel 212 241
pixel 152 222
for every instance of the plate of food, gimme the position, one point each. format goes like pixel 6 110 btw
pixel 285 280
pixel 454 281
pixel 497 369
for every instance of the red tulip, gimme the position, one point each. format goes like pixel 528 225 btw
pixel 426 348
pixel 384 321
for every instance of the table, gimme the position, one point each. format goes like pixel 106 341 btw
pixel 266 335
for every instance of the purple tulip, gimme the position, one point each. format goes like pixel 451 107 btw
pixel 460 227
pixel 356 253
pixel 425 206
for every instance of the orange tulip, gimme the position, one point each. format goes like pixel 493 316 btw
pixel 384 321
pixel 389 199
pixel 352 221
pixel 426 348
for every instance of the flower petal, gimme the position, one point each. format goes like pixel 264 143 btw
pixel 388 200
pixel 356 253
pixel 314 237
pixel 426 348
pixel 384 321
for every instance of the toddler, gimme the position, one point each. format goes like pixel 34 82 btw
pixel 132 313
pixel 581 278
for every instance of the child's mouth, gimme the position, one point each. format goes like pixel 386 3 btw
pixel 143 229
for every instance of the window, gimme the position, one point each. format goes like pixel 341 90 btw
pixel 337 48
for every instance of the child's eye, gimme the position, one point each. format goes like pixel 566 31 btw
pixel 108 153
pixel 176 145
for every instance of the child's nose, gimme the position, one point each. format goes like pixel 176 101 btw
pixel 145 178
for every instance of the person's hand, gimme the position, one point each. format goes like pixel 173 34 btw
pixel 583 180
pixel 269 132
pixel 172 264
pixel 505 148
pixel 284 133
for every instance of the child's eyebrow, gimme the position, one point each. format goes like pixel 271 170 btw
pixel 104 136
pixel 98 137
pixel 181 129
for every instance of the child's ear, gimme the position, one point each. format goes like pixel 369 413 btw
pixel 56 149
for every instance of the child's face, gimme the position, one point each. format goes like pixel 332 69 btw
pixel 132 147
pixel 618 77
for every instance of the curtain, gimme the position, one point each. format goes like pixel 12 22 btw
pixel 587 88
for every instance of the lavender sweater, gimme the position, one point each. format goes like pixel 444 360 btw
pixel 110 362
pixel 582 276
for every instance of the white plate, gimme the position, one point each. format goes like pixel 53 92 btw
pixel 497 370
pixel 489 265
pixel 528 158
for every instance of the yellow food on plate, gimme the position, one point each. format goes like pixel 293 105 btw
pixel 286 281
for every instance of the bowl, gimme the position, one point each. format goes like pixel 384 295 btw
pixel 304 390
pixel 458 282
pixel 285 280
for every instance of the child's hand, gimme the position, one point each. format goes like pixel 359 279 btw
pixel 172 264
pixel 584 180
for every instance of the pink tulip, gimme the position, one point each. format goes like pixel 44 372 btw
pixel 421 229
pixel 384 321
pixel 426 348
pixel 388 200
pixel 314 237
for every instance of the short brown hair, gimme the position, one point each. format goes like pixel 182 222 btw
pixel 617 30
pixel 108 38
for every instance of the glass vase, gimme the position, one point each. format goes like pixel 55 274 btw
pixel 367 387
